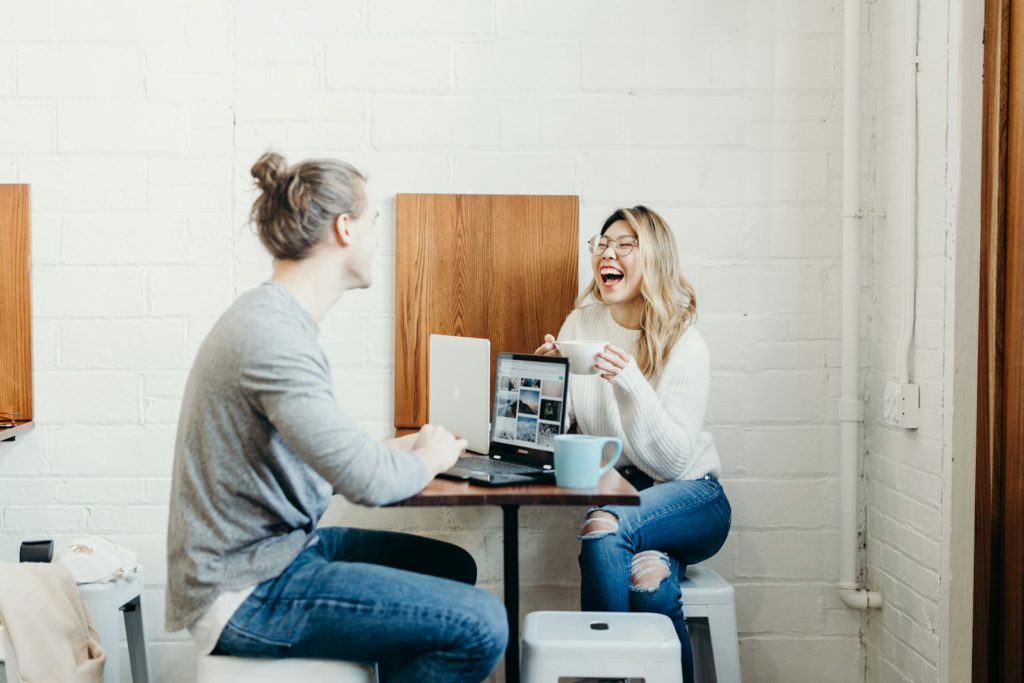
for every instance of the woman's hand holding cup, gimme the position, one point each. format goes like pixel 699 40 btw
pixel 548 348
pixel 612 361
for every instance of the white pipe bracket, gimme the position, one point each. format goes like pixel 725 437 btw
pixel 860 213
pixel 860 599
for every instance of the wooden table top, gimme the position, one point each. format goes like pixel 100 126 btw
pixel 612 489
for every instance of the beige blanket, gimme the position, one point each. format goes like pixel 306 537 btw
pixel 48 625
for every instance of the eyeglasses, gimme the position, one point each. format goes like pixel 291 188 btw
pixel 598 244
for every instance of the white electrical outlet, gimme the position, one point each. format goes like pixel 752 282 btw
pixel 900 405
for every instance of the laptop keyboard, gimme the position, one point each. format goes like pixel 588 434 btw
pixel 495 466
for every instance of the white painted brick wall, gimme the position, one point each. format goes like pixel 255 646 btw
pixel 8 75
pixel 27 128
pixel 86 72
pixel 904 469
pixel 136 123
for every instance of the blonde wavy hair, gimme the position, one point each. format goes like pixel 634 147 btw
pixel 670 302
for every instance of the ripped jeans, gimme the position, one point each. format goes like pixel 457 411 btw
pixel 633 563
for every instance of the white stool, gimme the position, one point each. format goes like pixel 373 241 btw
pixel 222 669
pixel 106 602
pixel 706 595
pixel 600 644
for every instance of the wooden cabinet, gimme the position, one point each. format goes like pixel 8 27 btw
pixel 15 311
pixel 498 267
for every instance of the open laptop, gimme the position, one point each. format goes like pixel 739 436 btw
pixel 527 410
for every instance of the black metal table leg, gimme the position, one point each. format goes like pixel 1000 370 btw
pixel 510 518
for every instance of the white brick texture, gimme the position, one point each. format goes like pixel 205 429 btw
pixel 87 72
pixel 136 122
pixel 904 469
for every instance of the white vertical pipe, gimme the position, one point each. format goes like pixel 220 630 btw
pixel 909 196
pixel 849 401
pixel 849 404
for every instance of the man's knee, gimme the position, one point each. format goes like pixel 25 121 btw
pixel 599 523
pixel 647 570
pixel 493 626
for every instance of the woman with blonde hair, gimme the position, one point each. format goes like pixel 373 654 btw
pixel 651 391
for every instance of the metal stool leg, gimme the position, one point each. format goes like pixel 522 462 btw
pixel 135 632
pixel 104 617
pixel 725 644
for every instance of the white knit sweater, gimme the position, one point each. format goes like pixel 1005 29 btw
pixel 660 423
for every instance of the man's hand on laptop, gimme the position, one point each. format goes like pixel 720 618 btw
pixel 438 447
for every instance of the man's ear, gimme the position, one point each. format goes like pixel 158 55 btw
pixel 342 231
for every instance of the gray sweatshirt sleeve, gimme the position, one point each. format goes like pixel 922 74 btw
pixel 290 385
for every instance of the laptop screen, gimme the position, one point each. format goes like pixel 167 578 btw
pixel 529 401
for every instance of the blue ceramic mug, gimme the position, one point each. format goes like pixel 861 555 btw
pixel 578 459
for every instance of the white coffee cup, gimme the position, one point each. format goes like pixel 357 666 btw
pixel 582 355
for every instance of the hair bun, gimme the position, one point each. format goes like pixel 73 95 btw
pixel 270 172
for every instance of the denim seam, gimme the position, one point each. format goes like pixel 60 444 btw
pixel 670 510
pixel 724 514
pixel 441 615
pixel 245 633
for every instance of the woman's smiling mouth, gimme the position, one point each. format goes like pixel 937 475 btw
pixel 610 275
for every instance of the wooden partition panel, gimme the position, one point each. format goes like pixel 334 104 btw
pixel 500 267
pixel 15 311
pixel 999 512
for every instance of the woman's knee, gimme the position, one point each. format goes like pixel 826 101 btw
pixel 648 570
pixel 598 524
pixel 652 585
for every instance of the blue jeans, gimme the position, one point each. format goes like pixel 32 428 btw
pixel 402 601
pixel 686 520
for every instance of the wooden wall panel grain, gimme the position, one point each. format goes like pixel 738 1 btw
pixel 15 309
pixel 1012 595
pixel 500 267
pixel 999 505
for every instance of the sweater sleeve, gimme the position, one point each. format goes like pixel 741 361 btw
pixel 291 388
pixel 663 427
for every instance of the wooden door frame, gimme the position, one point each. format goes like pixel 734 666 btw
pixel 960 377
pixel 999 533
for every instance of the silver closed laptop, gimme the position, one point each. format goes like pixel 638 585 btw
pixel 527 409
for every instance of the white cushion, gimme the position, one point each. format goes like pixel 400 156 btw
pixel 600 636
pixel 221 669
pixel 703 586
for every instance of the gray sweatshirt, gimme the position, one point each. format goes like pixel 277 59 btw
pixel 262 444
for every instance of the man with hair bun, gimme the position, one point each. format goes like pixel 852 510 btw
pixel 262 445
